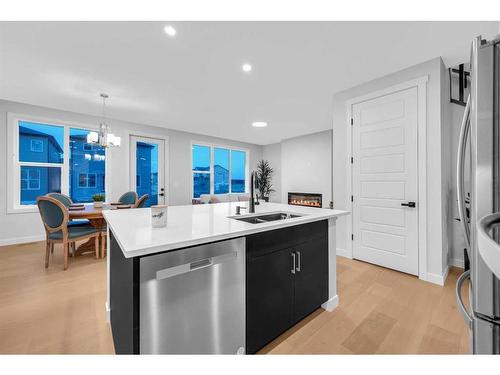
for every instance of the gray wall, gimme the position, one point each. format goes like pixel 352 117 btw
pixel 302 164
pixel 435 177
pixel 28 226
pixel 272 153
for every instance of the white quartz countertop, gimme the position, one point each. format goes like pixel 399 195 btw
pixel 197 224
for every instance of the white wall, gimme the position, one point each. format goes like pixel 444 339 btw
pixel 28 227
pixel 272 153
pixel 435 178
pixel 302 164
pixel 306 165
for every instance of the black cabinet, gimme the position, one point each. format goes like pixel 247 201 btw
pixel 311 276
pixel 287 279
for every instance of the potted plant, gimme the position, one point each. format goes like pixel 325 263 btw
pixel 264 179
pixel 98 200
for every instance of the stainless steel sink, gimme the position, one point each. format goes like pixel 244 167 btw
pixel 265 218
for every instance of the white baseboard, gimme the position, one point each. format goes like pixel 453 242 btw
pixel 344 253
pixel 331 304
pixel 18 240
pixel 456 263
pixel 438 279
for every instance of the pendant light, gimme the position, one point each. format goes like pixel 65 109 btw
pixel 104 138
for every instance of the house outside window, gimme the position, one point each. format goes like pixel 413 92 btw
pixel 218 170
pixel 40 164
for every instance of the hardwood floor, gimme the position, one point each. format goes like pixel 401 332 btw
pixel 380 311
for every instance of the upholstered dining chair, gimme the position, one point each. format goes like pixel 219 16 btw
pixel 130 197
pixel 64 199
pixel 141 201
pixel 55 220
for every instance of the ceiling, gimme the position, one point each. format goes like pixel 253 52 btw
pixel 194 81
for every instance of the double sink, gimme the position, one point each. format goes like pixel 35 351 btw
pixel 266 218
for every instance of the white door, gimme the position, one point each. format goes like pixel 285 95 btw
pixel 147 167
pixel 384 185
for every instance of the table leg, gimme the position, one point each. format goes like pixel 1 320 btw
pixel 89 246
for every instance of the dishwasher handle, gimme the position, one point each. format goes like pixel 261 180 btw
pixel 193 266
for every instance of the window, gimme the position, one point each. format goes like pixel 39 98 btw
pixel 39 168
pixel 221 171
pixel 218 170
pixel 41 165
pixel 87 165
pixel 30 178
pixel 87 180
pixel 36 145
pixel 201 170
pixel 238 171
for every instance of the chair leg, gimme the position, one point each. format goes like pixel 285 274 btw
pixel 47 253
pixel 52 248
pixel 96 239
pixel 103 244
pixel 66 251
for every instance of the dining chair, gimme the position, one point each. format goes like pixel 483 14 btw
pixel 130 197
pixel 55 220
pixel 64 199
pixel 141 201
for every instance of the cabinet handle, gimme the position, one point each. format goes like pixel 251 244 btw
pixel 298 261
pixel 293 267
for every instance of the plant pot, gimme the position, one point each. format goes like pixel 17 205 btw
pixel 266 199
pixel 98 204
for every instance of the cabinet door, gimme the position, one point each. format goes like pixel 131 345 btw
pixel 269 297
pixel 311 276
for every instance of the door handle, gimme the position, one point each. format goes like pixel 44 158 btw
pixel 462 145
pixel 293 267
pixel 161 194
pixel 409 204
pixel 299 262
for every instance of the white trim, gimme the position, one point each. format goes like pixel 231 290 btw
pixel 421 85
pixel 13 172
pixel 331 304
pixel 211 172
pixel 436 278
pixel 21 240
pixel 344 253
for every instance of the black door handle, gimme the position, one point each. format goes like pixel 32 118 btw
pixel 409 204
pixel 161 195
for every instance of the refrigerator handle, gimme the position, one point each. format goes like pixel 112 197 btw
pixel 462 145
pixel 458 289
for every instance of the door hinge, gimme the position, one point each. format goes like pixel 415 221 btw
pixel 352 237
pixel 352 198
pixel 352 121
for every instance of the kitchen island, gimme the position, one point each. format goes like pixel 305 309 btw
pixel 212 281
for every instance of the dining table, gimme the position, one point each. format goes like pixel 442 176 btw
pixel 96 219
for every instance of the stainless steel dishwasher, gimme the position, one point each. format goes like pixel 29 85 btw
pixel 192 301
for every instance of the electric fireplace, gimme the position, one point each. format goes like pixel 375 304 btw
pixel 305 199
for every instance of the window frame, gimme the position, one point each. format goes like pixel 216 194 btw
pixel 213 146
pixel 13 179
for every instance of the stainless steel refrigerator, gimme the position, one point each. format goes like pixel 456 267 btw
pixel 481 130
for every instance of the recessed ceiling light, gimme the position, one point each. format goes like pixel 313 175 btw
pixel 259 124
pixel 170 31
pixel 247 68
